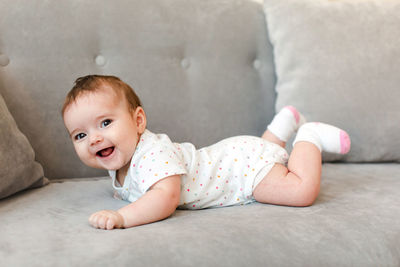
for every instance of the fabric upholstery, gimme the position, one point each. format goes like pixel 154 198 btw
pixel 18 168
pixel 354 222
pixel 338 62
pixel 203 69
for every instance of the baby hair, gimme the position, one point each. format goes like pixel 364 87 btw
pixel 92 83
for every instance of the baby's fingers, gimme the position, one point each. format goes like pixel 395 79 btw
pixel 110 224
pixel 102 220
pixel 94 220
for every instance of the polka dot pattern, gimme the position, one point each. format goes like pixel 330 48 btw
pixel 223 174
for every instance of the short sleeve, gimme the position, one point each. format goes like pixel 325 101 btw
pixel 156 163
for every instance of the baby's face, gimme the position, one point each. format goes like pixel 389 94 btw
pixel 103 130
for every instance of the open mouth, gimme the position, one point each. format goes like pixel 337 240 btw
pixel 105 152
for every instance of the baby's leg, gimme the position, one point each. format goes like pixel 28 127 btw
pixel 283 126
pixel 299 183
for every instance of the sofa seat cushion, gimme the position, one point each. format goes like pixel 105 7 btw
pixel 354 222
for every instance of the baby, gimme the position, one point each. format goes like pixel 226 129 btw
pixel 107 125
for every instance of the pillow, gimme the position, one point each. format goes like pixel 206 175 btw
pixel 338 61
pixel 18 168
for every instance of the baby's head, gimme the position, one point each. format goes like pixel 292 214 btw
pixel 93 83
pixel 105 119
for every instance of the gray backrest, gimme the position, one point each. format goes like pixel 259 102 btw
pixel 203 69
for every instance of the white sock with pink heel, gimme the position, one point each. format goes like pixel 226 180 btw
pixel 326 137
pixel 286 123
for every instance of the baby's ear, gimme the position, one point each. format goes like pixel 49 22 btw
pixel 140 119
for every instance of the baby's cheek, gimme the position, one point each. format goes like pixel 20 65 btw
pixel 83 155
pixel 128 148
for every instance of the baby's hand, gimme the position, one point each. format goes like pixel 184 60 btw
pixel 106 219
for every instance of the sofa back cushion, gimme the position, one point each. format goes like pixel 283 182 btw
pixel 203 69
pixel 339 62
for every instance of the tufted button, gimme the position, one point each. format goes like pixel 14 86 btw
pixel 4 60
pixel 257 64
pixel 100 60
pixel 185 63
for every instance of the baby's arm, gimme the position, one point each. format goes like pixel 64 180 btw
pixel 158 203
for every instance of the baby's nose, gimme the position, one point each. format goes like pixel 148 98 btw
pixel 95 139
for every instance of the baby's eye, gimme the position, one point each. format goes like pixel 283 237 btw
pixel 105 123
pixel 79 136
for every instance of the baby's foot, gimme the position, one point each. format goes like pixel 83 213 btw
pixel 326 137
pixel 286 123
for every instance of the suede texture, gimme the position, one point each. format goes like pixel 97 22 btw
pixel 204 71
pixel 338 62
pixel 354 222
pixel 18 168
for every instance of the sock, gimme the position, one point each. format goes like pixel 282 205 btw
pixel 286 123
pixel 326 137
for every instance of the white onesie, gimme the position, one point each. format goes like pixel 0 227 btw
pixel 222 174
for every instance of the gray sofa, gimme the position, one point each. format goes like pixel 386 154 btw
pixel 205 70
